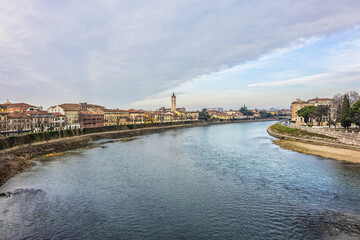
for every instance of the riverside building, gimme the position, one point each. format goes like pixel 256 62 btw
pixel 71 111
pixel 114 117
pixel 299 104
pixel 18 107
pixel 3 118
pixel 19 122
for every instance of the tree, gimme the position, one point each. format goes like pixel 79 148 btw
pixel 245 111
pixel 345 118
pixel 204 115
pixel 306 112
pixel 353 97
pixel 264 114
pixel 338 100
pixel 319 113
pixel 354 113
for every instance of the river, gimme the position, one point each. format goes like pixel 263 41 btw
pixel 215 182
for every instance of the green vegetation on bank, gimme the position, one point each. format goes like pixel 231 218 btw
pixel 306 112
pixel 294 132
pixel 354 113
pixel 345 118
pixel 204 115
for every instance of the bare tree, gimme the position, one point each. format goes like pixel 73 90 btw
pixel 319 113
pixel 336 107
pixel 338 100
pixel 353 97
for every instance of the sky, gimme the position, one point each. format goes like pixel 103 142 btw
pixel 135 54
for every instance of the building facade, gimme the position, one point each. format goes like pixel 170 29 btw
pixel 192 115
pixel 59 121
pixel 89 119
pixel 136 116
pixel 41 120
pixel 19 122
pixel 3 118
pixel 71 113
pixel 159 117
pixel 299 104
pixel 18 107
pixel 168 117
pixel 114 117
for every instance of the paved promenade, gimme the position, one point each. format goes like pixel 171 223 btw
pixel 349 137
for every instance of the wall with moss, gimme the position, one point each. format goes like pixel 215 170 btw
pixel 12 141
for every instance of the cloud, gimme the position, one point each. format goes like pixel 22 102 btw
pixel 347 75
pixel 117 52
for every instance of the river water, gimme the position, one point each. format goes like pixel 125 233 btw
pixel 216 182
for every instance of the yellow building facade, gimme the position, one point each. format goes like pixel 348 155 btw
pixel 299 104
pixel 3 118
pixel 113 117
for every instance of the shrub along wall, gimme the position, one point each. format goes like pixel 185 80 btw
pixel 12 141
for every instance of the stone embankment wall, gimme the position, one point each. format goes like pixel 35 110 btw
pixel 16 159
pixel 316 137
pixel 28 138
pixel 17 150
pixel 344 137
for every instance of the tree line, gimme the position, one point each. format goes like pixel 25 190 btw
pixel 344 110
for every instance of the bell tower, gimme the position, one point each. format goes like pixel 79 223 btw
pixel 173 103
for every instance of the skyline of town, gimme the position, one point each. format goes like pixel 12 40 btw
pixel 22 117
pixel 167 104
pixel 44 106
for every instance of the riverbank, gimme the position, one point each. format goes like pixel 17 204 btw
pixel 118 185
pixel 314 144
pixel 17 159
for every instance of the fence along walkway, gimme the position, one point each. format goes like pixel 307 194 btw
pixel 345 137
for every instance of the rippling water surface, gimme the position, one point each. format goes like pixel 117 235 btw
pixel 216 182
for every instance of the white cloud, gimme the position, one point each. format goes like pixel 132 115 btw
pixel 347 75
pixel 122 51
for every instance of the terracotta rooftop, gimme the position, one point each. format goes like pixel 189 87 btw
pixel 25 105
pixel 18 115
pixel 37 112
pixel 95 106
pixel 320 99
pixel 114 110
pixel 135 111
pixel 70 106
pixel 57 114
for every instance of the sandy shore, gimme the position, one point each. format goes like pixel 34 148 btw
pixel 331 152
pixel 337 151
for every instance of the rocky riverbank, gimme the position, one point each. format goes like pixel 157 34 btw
pixel 338 225
pixel 314 144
